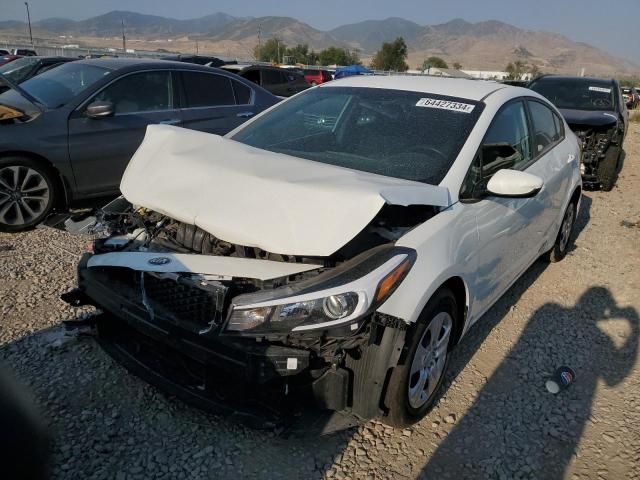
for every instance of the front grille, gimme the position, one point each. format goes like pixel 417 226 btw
pixel 181 303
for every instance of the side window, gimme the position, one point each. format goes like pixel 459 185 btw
pixel 243 93
pixel 272 77
pixel 207 90
pixel 287 77
pixel 252 76
pixel 545 126
pixel 140 92
pixel 507 143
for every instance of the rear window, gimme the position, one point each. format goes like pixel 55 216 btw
pixel 207 90
pixel 576 93
pixel 409 135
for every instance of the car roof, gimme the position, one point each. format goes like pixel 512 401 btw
pixel 447 86
pixel 572 77
pixel 118 63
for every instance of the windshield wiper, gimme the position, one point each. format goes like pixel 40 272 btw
pixel 37 103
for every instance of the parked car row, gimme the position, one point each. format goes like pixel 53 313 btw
pixel 631 97
pixel 68 133
pixel 20 52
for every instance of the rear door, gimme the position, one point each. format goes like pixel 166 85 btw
pixel 553 162
pixel 214 103
pixel 100 149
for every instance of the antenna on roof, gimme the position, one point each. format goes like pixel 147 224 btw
pixel 124 40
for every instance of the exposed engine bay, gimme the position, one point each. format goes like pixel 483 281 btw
pixel 595 142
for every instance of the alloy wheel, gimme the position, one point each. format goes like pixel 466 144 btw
pixel 566 227
pixel 24 195
pixel 429 360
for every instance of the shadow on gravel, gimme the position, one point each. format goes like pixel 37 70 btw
pixel 106 424
pixel 515 428
pixel 582 220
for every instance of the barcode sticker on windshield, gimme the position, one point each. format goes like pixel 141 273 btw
pixel 600 89
pixel 445 105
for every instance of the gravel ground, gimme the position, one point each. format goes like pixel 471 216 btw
pixel 495 421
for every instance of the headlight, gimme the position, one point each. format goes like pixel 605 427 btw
pixel 324 308
pixel 290 315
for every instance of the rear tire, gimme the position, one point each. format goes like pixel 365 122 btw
pixel 608 169
pixel 27 193
pixel 415 382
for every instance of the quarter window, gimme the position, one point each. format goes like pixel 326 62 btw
pixel 243 93
pixel 545 126
pixel 140 92
pixel 207 90
pixel 507 143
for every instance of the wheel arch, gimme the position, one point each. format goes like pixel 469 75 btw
pixel 61 183
pixel 458 287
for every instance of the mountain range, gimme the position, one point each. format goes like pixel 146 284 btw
pixel 487 45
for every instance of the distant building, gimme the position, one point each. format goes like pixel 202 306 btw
pixel 447 72
pixel 493 75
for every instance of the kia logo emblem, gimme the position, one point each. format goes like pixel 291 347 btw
pixel 159 261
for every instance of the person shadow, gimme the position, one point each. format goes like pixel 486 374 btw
pixel 517 429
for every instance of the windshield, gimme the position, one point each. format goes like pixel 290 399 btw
pixel 56 87
pixel 409 135
pixel 19 69
pixel 576 93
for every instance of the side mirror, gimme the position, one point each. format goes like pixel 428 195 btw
pixel 514 183
pixel 100 109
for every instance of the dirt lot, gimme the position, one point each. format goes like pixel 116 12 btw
pixel 495 421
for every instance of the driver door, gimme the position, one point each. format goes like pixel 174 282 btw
pixel 100 148
pixel 508 228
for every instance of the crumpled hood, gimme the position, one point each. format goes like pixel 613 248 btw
pixel 589 118
pixel 252 197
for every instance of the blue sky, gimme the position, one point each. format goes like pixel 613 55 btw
pixel 613 25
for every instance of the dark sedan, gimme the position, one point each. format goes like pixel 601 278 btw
pixel 597 114
pixel 68 134
pixel 24 68
pixel 279 81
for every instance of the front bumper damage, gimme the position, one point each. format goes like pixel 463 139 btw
pixel 263 382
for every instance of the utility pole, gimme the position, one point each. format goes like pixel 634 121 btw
pixel 259 36
pixel 29 22
pixel 196 46
pixel 124 39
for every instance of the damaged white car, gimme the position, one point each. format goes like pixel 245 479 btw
pixel 335 248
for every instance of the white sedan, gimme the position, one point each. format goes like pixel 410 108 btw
pixel 339 244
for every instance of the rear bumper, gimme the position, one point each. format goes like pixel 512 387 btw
pixel 263 384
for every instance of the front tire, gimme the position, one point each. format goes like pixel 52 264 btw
pixel 27 193
pixel 608 169
pixel 415 382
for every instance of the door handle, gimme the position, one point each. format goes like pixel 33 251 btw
pixel 571 158
pixel 170 121
pixel 245 114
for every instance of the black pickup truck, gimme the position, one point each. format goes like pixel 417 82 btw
pixel 597 114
